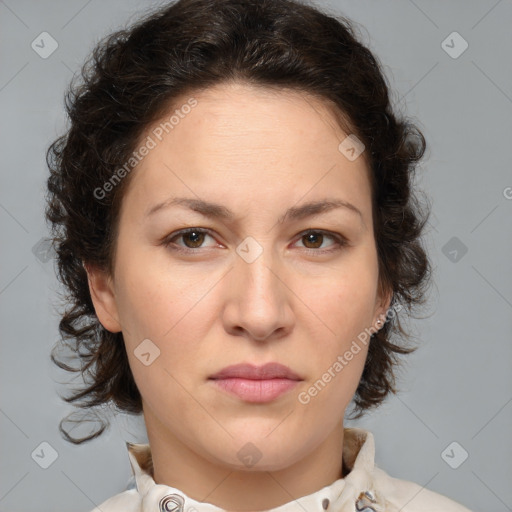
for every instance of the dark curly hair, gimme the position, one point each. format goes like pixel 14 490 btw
pixel 131 79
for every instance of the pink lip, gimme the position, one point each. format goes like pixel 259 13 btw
pixel 249 371
pixel 256 383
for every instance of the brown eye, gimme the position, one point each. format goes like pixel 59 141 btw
pixel 196 238
pixel 193 238
pixel 314 238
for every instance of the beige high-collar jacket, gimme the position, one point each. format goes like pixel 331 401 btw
pixel 366 488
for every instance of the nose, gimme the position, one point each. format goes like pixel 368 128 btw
pixel 258 300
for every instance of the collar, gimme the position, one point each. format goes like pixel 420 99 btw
pixel 353 493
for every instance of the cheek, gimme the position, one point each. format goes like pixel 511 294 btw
pixel 167 307
pixel 344 301
pixel 151 298
pixel 343 308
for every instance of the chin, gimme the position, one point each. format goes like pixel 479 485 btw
pixel 258 452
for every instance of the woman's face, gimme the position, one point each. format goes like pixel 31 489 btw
pixel 248 285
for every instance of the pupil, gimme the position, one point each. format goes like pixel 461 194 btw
pixel 311 239
pixel 194 234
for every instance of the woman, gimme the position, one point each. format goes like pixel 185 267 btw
pixel 234 220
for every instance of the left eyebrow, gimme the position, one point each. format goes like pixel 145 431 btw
pixel 318 207
pixel 214 210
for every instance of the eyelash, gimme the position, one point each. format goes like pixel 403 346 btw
pixel 341 241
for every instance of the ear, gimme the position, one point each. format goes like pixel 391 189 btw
pixel 103 297
pixel 382 304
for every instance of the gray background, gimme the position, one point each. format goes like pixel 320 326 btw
pixel 457 387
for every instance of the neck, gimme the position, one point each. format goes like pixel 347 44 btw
pixel 176 465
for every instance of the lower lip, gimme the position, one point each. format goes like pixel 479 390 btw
pixel 258 391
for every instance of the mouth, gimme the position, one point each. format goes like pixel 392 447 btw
pixel 256 384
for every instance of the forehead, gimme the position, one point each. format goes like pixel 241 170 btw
pixel 243 106
pixel 241 140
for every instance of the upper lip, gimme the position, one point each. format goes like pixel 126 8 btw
pixel 249 371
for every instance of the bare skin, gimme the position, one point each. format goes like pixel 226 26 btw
pixel 301 302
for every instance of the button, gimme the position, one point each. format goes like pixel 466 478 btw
pixel 325 503
pixel 172 503
pixel 364 501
